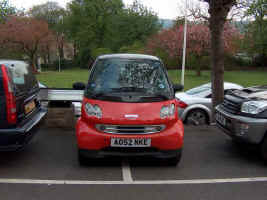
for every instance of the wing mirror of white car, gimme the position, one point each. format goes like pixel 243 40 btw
pixel 178 87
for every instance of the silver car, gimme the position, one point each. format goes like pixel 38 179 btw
pixel 195 105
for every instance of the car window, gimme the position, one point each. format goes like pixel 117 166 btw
pixel 22 76
pixel 225 92
pixel 198 90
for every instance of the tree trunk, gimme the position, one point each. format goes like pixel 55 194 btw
pixel 61 50
pixel 44 57
pixel 218 10
pixel 48 60
pixel 198 72
pixel 60 46
pixel 217 63
pixel 32 63
pixel 198 66
pixel 75 49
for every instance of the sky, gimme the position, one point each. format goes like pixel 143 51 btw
pixel 166 9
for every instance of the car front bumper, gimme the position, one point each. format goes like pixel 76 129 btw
pixel 244 129
pixel 98 144
pixel 144 153
pixel 16 138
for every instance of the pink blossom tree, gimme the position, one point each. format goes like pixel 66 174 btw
pixel 198 41
pixel 25 34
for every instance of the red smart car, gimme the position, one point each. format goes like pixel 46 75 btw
pixel 129 109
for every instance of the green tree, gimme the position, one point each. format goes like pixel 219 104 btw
pixel 54 15
pixel 135 25
pixel 50 11
pixel 87 23
pixel 255 38
pixel 6 9
pixel 94 24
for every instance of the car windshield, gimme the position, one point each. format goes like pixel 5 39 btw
pixel 22 76
pixel 198 90
pixel 122 76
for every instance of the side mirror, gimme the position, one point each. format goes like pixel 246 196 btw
pixel 178 87
pixel 78 86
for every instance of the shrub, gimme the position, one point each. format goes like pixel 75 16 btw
pixel 137 47
pixel 64 64
pixel 234 62
pixel 205 62
pixel 100 51
pixel 169 62
pixel 83 59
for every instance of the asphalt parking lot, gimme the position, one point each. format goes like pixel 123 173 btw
pixel 212 167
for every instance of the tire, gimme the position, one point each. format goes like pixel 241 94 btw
pixel 264 149
pixel 82 159
pixel 197 117
pixel 174 161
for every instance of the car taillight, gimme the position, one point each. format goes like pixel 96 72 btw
pixel 181 104
pixel 10 99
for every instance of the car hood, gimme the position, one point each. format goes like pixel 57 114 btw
pixel 188 99
pixel 129 113
pixel 257 92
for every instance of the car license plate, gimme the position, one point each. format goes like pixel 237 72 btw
pixel 29 107
pixel 221 119
pixel 130 142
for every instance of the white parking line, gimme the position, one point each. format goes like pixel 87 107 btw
pixel 126 172
pixel 128 182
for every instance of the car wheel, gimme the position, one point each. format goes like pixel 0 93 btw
pixel 264 150
pixel 197 117
pixel 174 160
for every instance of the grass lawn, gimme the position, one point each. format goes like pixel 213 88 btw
pixel 244 78
pixel 66 78
pixel 63 79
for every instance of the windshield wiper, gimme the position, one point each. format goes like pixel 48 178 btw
pixel 105 96
pixel 165 97
pixel 161 96
pixel 128 89
pixel 99 94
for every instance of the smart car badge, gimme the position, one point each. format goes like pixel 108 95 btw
pixel 131 116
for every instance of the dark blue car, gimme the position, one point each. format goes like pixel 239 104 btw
pixel 20 111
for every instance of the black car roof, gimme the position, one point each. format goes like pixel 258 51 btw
pixel 129 56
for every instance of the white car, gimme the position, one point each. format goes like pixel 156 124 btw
pixel 195 105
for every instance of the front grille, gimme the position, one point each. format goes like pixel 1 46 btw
pixel 130 129
pixel 230 105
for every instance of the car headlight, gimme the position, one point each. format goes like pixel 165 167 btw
pixel 254 107
pixel 93 110
pixel 167 111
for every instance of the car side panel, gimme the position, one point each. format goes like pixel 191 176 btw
pixel 196 103
pixel 193 107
